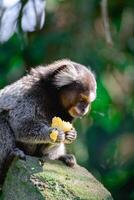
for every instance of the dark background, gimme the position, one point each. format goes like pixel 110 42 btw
pixel 74 29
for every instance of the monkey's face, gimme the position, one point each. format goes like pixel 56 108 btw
pixel 77 103
pixel 76 86
pixel 81 107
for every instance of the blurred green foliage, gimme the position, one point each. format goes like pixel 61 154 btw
pixel 74 29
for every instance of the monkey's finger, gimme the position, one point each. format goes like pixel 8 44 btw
pixel 60 137
pixel 71 135
pixel 68 140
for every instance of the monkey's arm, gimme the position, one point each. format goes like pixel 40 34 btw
pixel 32 131
pixel 27 124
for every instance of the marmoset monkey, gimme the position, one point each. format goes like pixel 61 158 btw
pixel 64 89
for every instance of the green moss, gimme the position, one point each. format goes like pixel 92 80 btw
pixel 52 181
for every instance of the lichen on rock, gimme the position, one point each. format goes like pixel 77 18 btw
pixel 30 180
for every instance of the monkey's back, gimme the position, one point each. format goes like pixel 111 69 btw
pixel 14 93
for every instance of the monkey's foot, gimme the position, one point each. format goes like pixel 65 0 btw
pixel 68 159
pixel 18 154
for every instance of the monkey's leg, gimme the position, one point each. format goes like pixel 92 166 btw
pixel 57 152
pixel 7 148
pixel 52 151
pixel 28 149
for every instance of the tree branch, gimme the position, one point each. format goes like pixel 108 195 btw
pixel 105 19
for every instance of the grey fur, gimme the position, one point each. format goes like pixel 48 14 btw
pixel 25 115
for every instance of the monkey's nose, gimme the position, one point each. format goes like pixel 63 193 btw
pixel 87 109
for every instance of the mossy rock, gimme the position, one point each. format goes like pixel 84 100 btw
pixel 29 180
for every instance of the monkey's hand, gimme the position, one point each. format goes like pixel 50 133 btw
pixel 70 136
pixel 57 136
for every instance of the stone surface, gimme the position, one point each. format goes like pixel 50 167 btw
pixel 29 180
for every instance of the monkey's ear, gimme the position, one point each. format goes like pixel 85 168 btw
pixel 38 71
pixel 65 75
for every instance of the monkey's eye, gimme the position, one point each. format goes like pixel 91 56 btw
pixel 83 104
pixel 84 100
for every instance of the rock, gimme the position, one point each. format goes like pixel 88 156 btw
pixel 29 180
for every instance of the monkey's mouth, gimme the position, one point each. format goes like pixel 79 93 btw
pixel 75 112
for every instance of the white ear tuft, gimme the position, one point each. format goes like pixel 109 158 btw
pixel 66 76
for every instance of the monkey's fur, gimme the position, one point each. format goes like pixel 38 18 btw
pixel 28 106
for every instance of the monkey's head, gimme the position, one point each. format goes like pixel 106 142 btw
pixel 70 87
pixel 76 85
